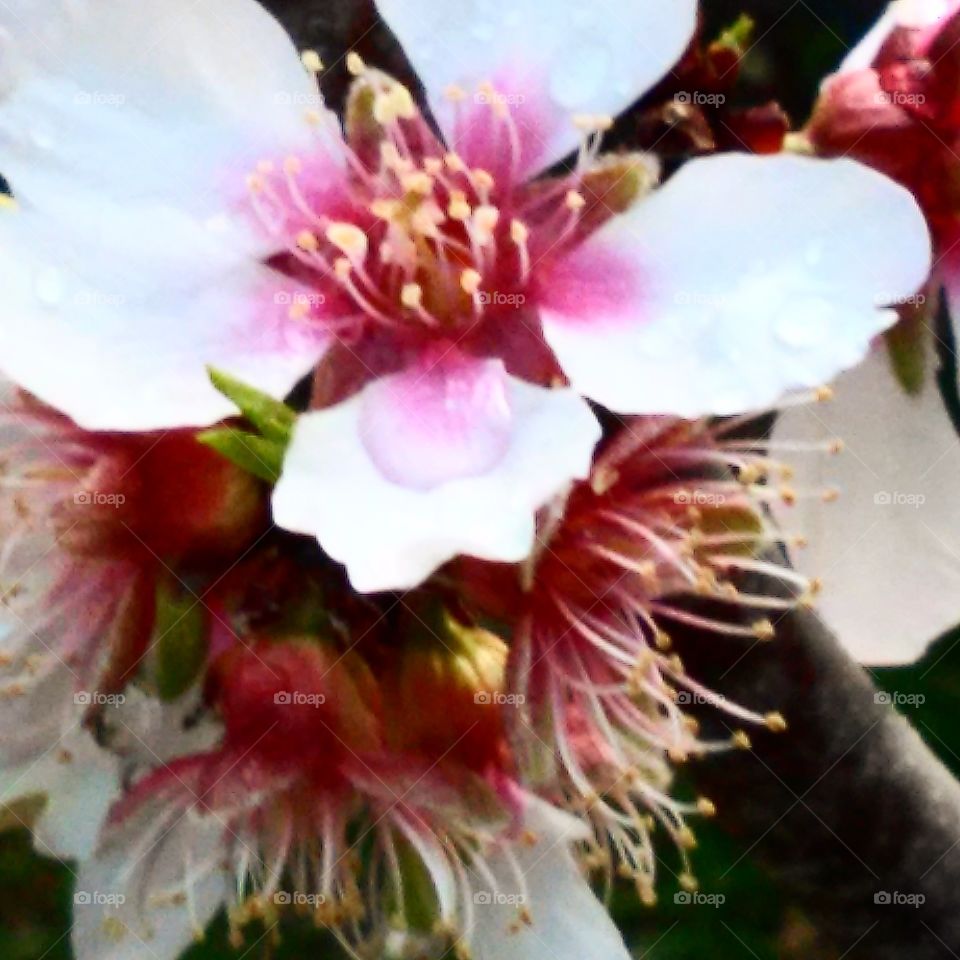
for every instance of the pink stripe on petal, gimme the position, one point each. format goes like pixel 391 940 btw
pixel 443 420
pixel 594 286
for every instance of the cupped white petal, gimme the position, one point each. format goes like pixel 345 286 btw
pixel 150 889
pixel 163 100
pixel 78 781
pixel 116 329
pixel 429 464
pixel 889 551
pixel 567 922
pixel 547 60
pixel 740 279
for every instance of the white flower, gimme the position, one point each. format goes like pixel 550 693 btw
pixel 203 208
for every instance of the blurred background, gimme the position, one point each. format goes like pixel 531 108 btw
pixel 796 44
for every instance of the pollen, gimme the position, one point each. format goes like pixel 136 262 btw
pixel 575 200
pixel 311 60
pixel 355 65
pixel 349 239
pixel 458 208
pixel 411 296
pixel 395 103
pixel 776 722
pixel 470 281
pixel 307 241
pixel 519 232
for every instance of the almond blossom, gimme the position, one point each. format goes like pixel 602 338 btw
pixel 451 298
pixel 892 104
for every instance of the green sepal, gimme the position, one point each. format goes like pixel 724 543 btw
pixel 739 35
pixel 906 349
pixel 272 418
pixel 257 455
pixel 180 641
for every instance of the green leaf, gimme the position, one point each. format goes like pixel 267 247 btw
pixel 273 418
pixel 180 640
pixel 906 348
pixel 261 457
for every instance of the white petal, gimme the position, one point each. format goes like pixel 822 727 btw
pixel 151 888
pixel 568 922
pixel 80 781
pixel 163 101
pixel 391 537
pixel 550 60
pixel 116 329
pixel 740 279
pixel 889 550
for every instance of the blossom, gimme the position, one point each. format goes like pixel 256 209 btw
pixel 892 104
pixel 453 301
pixel 92 525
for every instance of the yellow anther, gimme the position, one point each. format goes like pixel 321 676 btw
pixel 433 166
pixel 470 281
pixel 427 219
pixel 519 232
pixel 485 220
pixel 411 296
pixel 395 103
pixel 823 394
pixel 293 165
pixel 764 630
pixel 311 60
pixel 483 180
pixel 355 65
pixel 299 310
pixel 575 200
pixel 686 839
pixel 7 202
pixel 391 159
pixel 313 117
pixel 741 741
pixel 455 94
pixel 688 882
pixel 255 183
pixel 385 209
pixel 342 268
pixel 349 239
pixel 706 807
pixel 307 240
pixel 458 208
pixel 775 722
pixel 454 163
pixel 593 122
pixel 418 182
